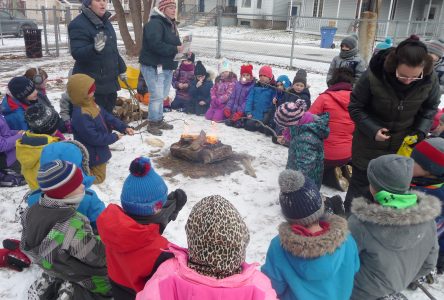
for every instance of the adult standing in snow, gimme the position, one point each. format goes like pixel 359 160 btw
pixel 94 47
pixel 160 44
pixel 398 96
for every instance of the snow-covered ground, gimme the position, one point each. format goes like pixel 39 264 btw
pixel 256 198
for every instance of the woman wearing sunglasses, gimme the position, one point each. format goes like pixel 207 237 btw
pixel 397 96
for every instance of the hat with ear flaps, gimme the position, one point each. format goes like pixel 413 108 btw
pixel 79 87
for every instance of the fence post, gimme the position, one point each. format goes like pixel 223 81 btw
pixel 45 33
pixel 219 32
pixel 56 31
pixel 292 41
pixel 67 21
pixel 395 35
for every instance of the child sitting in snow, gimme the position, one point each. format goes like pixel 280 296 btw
pixel 214 265
pixel 182 79
pixel 428 177
pixel 39 77
pixel 60 240
pixel 92 126
pixel 235 108
pixel 314 253
pixel 21 95
pixel 282 84
pixel 395 231
pixel 74 152
pixel 221 92
pixel 259 101
pixel 9 166
pixel 299 89
pixel 132 234
pixel 43 122
pixel 306 133
pixel 199 91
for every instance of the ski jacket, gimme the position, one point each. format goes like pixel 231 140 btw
pixel 8 139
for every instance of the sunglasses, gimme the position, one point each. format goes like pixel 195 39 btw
pixel 410 78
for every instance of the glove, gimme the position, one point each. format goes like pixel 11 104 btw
pixel 68 126
pixel 123 77
pixel 237 116
pixel 181 198
pixel 100 41
pixel 227 112
pixel 12 257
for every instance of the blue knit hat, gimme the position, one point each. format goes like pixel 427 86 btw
pixel 387 43
pixel 300 200
pixel 21 87
pixel 144 192
pixel 284 80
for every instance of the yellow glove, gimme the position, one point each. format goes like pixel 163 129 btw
pixel 407 145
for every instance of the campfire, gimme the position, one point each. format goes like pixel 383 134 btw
pixel 201 148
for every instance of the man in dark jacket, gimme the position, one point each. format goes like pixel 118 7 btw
pixel 94 47
pixel 160 44
pixel 397 96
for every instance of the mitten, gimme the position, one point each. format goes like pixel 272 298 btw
pixel 181 198
pixel 99 41
pixel 12 257
pixel 237 116
pixel 123 77
pixel 227 112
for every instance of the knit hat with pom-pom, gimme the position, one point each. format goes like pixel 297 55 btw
pixel 144 192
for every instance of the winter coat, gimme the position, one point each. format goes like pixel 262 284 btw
pixel 259 101
pixel 378 101
pixel 335 101
pixel 65 107
pixel 29 148
pixel 439 69
pixel 14 112
pixel 222 90
pixel 201 93
pixel 61 241
pixel 133 251
pixel 174 280
pixel 306 151
pixel 8 139
pixel 238 98
pixel 291 96
pixel 92 126
pixel 185 74
pixel 43 99
pixel 313 267
pixel 355 63
pixel 160 41
pixel 396 246
pixel 104 66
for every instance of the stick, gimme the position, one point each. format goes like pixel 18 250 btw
pixel 425 291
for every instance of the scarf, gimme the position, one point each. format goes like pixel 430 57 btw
pixel 349 53
pixel 301 230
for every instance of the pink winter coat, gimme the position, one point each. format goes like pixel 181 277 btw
pixel 174 280
pixel 335 101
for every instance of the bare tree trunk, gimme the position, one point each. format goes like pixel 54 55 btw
pixel 136 16
pixel 367 30
pixel 146 10
pixel 124 32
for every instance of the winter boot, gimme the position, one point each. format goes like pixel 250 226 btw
pixel 66 291
pixel 8 180
pixel 395 296
pixel 333 178
pixel 165 126
pixel 44 288
pixel 153 128
pixel 334 205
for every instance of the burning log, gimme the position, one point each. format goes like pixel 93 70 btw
pixel 200 148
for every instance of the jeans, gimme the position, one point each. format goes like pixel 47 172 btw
pixel 159 87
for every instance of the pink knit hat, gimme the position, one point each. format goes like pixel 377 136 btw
pixel 165 3
pixel 289 113
pixel 266 71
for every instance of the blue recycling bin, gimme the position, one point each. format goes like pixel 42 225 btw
pixel 328 36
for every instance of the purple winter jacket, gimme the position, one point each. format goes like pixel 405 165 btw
pixel 185 74
pixel 239 96
pixel 8 138
pixel 222 90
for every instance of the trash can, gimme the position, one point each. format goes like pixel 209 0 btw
pixel 327 36
pixel 33 42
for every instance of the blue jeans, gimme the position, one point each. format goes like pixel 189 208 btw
pixel 159 87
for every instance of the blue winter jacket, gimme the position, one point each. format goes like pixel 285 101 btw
pixel 14 112
pixel 323 268
pixel 104 66
pixel 202 92
pixel 259 101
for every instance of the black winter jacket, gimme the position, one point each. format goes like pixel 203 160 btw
pixel 160 41
pixel 104 66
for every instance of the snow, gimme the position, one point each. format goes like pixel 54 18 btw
pixel 255 198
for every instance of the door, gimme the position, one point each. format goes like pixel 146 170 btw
pixel 201 6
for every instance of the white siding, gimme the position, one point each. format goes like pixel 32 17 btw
pixel 308 8
pixel 348 9
pixel 330 8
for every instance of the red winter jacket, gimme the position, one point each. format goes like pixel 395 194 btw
pixel 335 101
pixel 131 248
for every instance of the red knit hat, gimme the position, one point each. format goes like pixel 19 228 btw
pixel 165 3
pixel 247 69
pixel 59 178
pixel 266 71
pixel 436 119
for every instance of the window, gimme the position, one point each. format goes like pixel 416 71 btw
pixel 432 13
pixel 318 7
pixel 392 13
pixel 246 3
pixel 259 3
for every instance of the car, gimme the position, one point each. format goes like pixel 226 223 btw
pixel 15 25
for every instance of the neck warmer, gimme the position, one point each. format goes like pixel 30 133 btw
pixel 347 54
pixel 301 230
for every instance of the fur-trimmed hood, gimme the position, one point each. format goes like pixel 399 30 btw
pixel 312 247
pixel 388 225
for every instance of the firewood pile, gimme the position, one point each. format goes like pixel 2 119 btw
pixel 128 110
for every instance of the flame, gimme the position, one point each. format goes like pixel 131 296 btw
pixel 212 139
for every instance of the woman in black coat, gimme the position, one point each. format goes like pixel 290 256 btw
pixel 397 96
pixel 94 47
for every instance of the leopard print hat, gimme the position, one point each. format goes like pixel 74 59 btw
pixel 217 238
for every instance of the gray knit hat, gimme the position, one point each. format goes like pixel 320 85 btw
pixel 350 41
pixel 435 47
pixel 392 173
pixel 300 200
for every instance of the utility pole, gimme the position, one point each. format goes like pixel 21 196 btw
pixel 367 29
